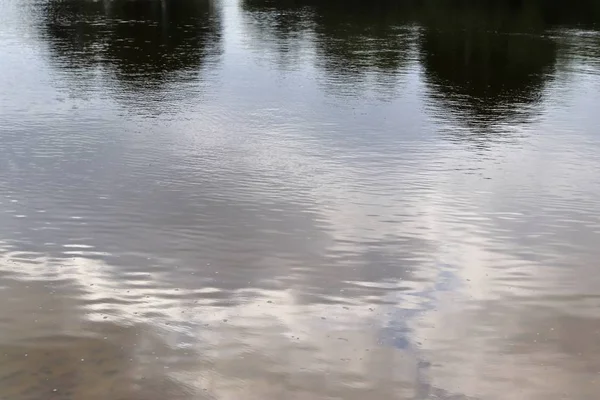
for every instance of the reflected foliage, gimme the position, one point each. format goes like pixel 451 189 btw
pixel 283 29
pixel 485 61
pixel 488 62
pixel 359 41
pixel 145 43
pixel 354 41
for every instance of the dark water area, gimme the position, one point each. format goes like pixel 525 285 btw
pixel 301 199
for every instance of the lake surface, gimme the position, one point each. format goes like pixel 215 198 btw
pixel 263 199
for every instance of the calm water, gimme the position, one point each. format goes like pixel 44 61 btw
pixel 264 199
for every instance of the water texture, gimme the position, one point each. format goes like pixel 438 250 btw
pixel 299 199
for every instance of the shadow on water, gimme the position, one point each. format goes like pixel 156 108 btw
pixel 141 45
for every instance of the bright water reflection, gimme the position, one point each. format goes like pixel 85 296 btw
pixel 299 200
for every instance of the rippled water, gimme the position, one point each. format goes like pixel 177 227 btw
pixel 263 199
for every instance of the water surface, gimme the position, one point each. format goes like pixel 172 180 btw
pixel 263 199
